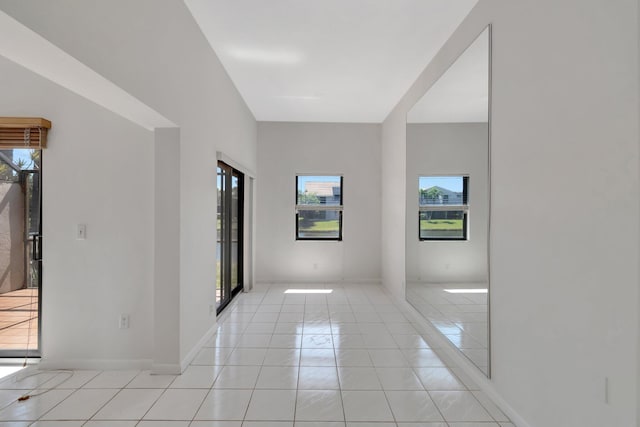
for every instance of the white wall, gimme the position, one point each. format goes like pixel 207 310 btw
pixel 166 271
pixel 154 50
pixel 393 212
pixel 564 287
pixel 287 149
pixel 446 149
pixel 97 171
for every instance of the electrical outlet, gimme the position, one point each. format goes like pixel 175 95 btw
pixel 211 309
pixel 123 322
pixel 81 232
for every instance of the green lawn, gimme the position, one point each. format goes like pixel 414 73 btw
pixel 234 275
pixel 440 224
pixel 323 225
pixel 218 285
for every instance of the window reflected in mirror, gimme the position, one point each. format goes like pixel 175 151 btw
pixel 448 204
pixel 443 207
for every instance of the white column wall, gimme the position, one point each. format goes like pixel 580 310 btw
pixel 166 254
pixel 393 211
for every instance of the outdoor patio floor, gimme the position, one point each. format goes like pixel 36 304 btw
pixel 19 320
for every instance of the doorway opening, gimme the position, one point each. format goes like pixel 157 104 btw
pixel 20 252
pixel 230 234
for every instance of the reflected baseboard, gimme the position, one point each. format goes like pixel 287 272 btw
pixel 458 311
pixel 473 284
pixel 446 350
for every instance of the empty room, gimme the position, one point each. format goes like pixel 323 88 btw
pixel 340 213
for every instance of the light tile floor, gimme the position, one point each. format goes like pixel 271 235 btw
pixel 350 358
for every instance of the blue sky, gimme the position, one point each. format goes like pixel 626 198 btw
pixel 452 183
pixel 22 154
pixel 234 181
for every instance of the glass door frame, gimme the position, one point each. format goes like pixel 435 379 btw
pixel 229 208
pixel 33 259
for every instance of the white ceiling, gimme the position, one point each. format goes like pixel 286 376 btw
pixel 461 94
pixel 326 60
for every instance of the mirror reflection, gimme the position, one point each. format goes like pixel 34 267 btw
pixel 447 259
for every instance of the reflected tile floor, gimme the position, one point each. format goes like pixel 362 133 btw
pixel 349 358
pixel 461 318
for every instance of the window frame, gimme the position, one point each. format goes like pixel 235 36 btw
pixel 464 208
pixel 339 208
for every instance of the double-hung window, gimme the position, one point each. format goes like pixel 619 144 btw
pixel 444 207
pixel 318 207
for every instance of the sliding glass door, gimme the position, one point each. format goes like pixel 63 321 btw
pixel 230 183
pixel 20 252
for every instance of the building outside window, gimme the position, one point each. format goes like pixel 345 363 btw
pixel 319 207
pixel 443 207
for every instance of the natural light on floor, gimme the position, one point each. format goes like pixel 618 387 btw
pixel 8 370
pixel 467 291
pixel 308 291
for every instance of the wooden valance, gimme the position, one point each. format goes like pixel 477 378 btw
pixel 23 132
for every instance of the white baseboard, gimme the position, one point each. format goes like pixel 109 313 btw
pixel 166 369
pixel 326 282
pixel 128 364
pixel 360 281
pixel 95 364
pixel 444 345
pixel 201 342
pixel 196 348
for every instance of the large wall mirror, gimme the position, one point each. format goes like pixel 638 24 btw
pixel 448 189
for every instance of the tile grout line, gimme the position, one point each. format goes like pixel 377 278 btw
pixel 384 393
pixel 335 366
pixel 114 396
pixel 246 411
pixel 295 404
pixel 57 404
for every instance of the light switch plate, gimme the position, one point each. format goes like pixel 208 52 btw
pixel 81 232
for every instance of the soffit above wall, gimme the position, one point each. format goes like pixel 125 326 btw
pixel 35 53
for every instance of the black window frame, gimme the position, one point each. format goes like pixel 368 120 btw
pixel 339 208
pixel 464 208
